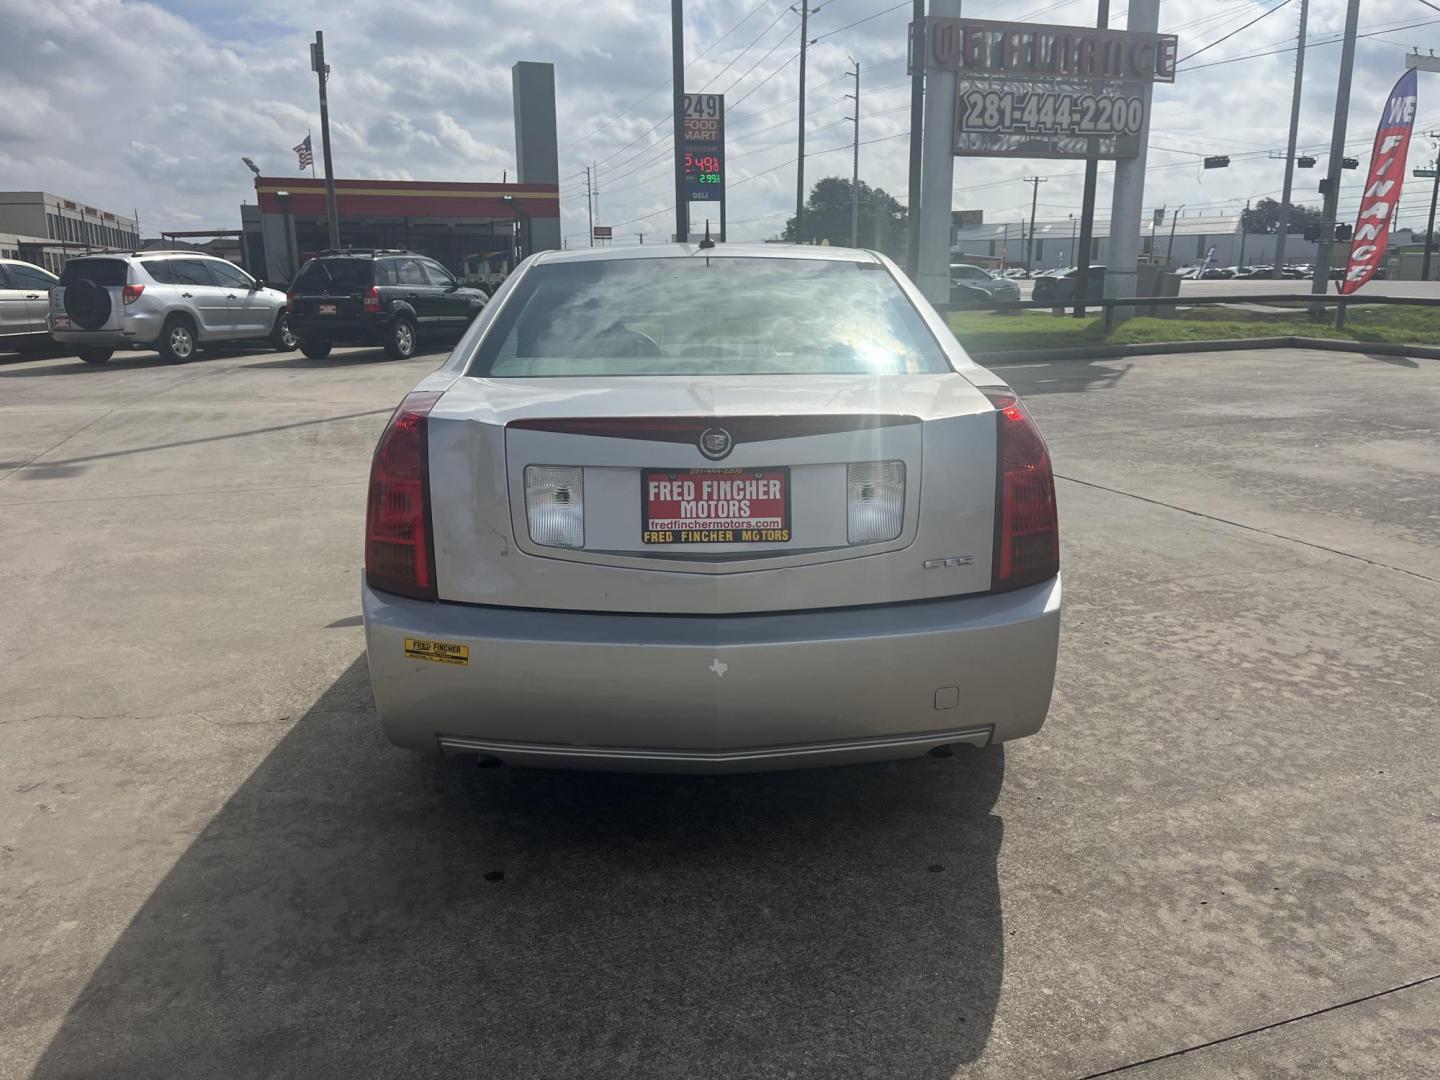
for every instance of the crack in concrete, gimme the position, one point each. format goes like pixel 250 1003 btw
pixel 1257 1030
pixel 1249 528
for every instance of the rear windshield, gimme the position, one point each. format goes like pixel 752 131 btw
pixel 708 316
pixel 100 271
pixel 334 275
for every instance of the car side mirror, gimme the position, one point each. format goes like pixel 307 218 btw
pixel 454 285
pixel 257 284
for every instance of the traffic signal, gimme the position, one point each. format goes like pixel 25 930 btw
pixel 1312 234
pixel 1350 163
pixel 1219 161
pixel 1305 162
pixel 1344 232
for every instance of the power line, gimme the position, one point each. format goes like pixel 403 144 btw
pixel 867 18
pixel 1232 33
pixel 1308 45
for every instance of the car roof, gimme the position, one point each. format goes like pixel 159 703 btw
pixel 819 253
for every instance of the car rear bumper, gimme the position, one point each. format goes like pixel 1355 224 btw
pixel 735 693
pixel 139 328
pixel 340 330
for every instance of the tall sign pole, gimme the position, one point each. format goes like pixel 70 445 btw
pixel 1283 227
pixel 917 127
pixel 1087 202
pixel 1127 202
pixel 938 168
pixel 805 10
pixel 677 86
pixel 1321 284
pixel 322 71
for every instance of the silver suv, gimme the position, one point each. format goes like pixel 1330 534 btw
pixel 170 301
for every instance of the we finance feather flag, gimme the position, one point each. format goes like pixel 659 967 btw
pixel 1382 186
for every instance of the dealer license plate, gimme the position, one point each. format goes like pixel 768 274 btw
pixel 59 322
pixel 327 309
pixel 715 506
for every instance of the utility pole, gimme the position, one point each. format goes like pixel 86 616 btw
pixel 1283 227
pixel 1321 284
pixel 1035 181
pixel 1174 217
pixel 805 12
pixel 642 238
pixel 595 180
pixel 677 89
pixel 855 167
pixel 1087 203
pixel 1244 231
pixel 322 71
pixel 917 123
pixel 1430 228
pixel 589 206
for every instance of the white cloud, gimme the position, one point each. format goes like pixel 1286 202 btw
pixel 127 104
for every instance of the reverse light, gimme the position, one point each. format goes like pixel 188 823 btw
pixel 399 548
pixel 371 300
pixel 555 505
pixel 1027 528
pixel 131 293
pixel 876 500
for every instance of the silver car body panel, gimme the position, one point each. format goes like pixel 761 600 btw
pixel 715 693
pixel 612 656
pixel 219 313
pixel 23 307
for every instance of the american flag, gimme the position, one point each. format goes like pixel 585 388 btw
pixel 307 156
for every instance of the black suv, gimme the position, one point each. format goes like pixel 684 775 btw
pixel 392 298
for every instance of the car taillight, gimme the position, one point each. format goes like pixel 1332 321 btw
pixel 555 505
pixel 131 293
pixel 1027 529
pixel 371 302
pixel 875 501
pixel 399 550
pixel 290 302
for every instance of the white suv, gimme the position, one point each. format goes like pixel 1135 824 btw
pixel 170 301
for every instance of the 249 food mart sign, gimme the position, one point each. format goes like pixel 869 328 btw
pixel 1039 90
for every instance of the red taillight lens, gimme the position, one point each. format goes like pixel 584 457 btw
pixel 131 293
pixel 372 299
pixel 290 302
pixel 399 551
pixel 1027 529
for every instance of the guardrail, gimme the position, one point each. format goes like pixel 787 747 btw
pixel 1316 302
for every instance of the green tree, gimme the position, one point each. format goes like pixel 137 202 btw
pixel 827 217
pixel 1264 217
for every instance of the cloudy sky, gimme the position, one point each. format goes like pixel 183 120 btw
pixel 145 105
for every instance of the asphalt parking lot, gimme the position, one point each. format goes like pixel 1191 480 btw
pixel 1226 838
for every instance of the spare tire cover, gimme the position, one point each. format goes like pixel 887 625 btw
pixel 87 303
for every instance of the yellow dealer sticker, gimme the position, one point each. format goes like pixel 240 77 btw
pixel 439 652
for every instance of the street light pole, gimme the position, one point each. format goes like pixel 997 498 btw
pixel 1035 182
pixel 322 72
pixel 677 86
pixel 1430 228
pixel 1321 284
pixel 855 167
pixel 1283 228
pixel 805 11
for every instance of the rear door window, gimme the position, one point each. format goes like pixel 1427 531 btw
pixel 29 277
pixel 192 272
pixel 408 272
pixel 105 272
pixel 160 270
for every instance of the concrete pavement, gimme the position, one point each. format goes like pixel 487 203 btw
pixel 212 865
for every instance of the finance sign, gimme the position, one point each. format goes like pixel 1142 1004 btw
pixel 704 147
pixel 1035 90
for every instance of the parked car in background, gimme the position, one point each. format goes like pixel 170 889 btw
pixel 24 304
pixel 172 301
pixel 971 285
pixel 763 490
pixel 365 296
pixel 1212 273
pixel 1061 286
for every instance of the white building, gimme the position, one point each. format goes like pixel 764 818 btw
pixel 45 229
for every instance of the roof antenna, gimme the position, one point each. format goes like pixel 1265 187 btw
pixel 707 242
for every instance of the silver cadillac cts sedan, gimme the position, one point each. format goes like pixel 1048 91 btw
pixel 710 509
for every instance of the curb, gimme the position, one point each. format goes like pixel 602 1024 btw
pixel 1166 348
